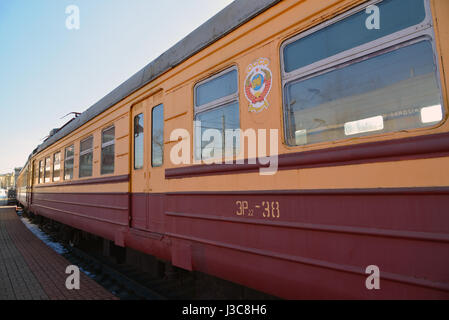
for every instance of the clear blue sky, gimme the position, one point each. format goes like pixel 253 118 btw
pixel 47 71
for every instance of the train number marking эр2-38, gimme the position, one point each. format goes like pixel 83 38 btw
pixel 265 209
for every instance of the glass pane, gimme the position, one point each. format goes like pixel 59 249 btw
pixel 41 172
pixel 47 173
pixel 70 151
pixel 394 91
pixel 86 165
pixel 223 118
pixel 395 15
pixel 108 152
pixel 36 172
pixel 56 167
pixel 222 86
pixel 108 135
pixel 107 159
pixel 158 136
pixel 68 169
pixel 86 144
pixel 138 141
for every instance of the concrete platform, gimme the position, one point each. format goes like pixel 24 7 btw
pixel 30 270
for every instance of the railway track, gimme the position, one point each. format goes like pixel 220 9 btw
pixel 124 281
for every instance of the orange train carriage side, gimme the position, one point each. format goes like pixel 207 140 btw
pixel 355 122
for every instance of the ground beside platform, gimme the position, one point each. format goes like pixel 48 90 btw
pixel 30 270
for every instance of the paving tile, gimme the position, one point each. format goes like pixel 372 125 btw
pixel 29 269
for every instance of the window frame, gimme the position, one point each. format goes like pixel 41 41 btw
pixel 35 175
pixel 152 136
pixel 41 172
pixel 220 101
pixel 360 51
pixel 134 141
pixel 54 162
pixel 104 145
pixel 215 104
pixel 67 159
pixel 403 38
pixel 50 178
pixel 83 153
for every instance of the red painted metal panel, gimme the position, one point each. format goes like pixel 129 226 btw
pixel 139 217
pixel 147 212
pixel 97 213
pixel 317 245
pixel 151 243
pixel 181 252
pixel 320 242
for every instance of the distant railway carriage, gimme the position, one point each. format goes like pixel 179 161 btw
pixel 3 197
pixel 12 196
pixel 353 99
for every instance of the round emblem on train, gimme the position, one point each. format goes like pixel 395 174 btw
pixel 258 85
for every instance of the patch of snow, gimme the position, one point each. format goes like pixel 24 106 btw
pixel 44 237
pixel 86 272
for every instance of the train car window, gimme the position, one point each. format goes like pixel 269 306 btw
pixel 221 119
pixel 108 150
pixel 36 172
pixel 47 172
pixel 68 162
pixel 86 157
pixel 390 86
pixel 157 136
pixel 41 172
pixel 57 167
pixel 220 86
pixel 216 108
pixel 351 32
pixel 138 141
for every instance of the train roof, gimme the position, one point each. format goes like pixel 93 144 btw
pixel 224 22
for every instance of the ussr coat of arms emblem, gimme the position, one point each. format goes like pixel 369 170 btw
pixel 258 85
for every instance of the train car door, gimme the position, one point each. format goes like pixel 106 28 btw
pixel 139 166
pixel 30 182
